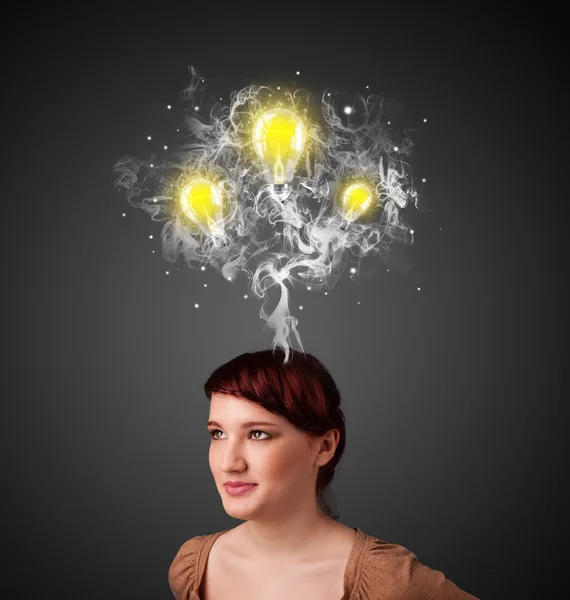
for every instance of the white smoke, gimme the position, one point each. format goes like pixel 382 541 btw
pixel 278 242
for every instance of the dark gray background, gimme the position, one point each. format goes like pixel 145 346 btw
pixel 453 395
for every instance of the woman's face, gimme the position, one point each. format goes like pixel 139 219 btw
pixel 279 458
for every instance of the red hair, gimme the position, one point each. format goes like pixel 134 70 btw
pixel 301 390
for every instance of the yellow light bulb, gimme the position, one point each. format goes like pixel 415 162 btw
pixel 201 201
pixel 354 201
pixel 279 138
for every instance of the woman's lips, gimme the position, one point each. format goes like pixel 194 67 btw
pixel 241 489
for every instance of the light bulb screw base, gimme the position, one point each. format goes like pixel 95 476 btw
pixel 280 190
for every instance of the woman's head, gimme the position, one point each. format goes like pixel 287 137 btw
pixel 294 460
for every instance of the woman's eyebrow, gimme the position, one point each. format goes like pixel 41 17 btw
pixel 247 424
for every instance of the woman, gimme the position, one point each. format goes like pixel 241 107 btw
pixel 277 427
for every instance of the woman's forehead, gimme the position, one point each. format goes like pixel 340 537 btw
pixel 229 408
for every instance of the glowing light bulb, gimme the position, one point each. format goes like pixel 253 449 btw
pixel 279 138
pixel 201 201
pixel 354 201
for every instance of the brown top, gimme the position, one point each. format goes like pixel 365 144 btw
pixel 376 570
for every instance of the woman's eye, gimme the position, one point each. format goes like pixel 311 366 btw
pixel 252 432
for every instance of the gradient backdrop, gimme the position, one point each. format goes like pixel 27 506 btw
pixel 452 394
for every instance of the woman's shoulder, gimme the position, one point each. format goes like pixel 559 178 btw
pixel 391 570
pixel 185 568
